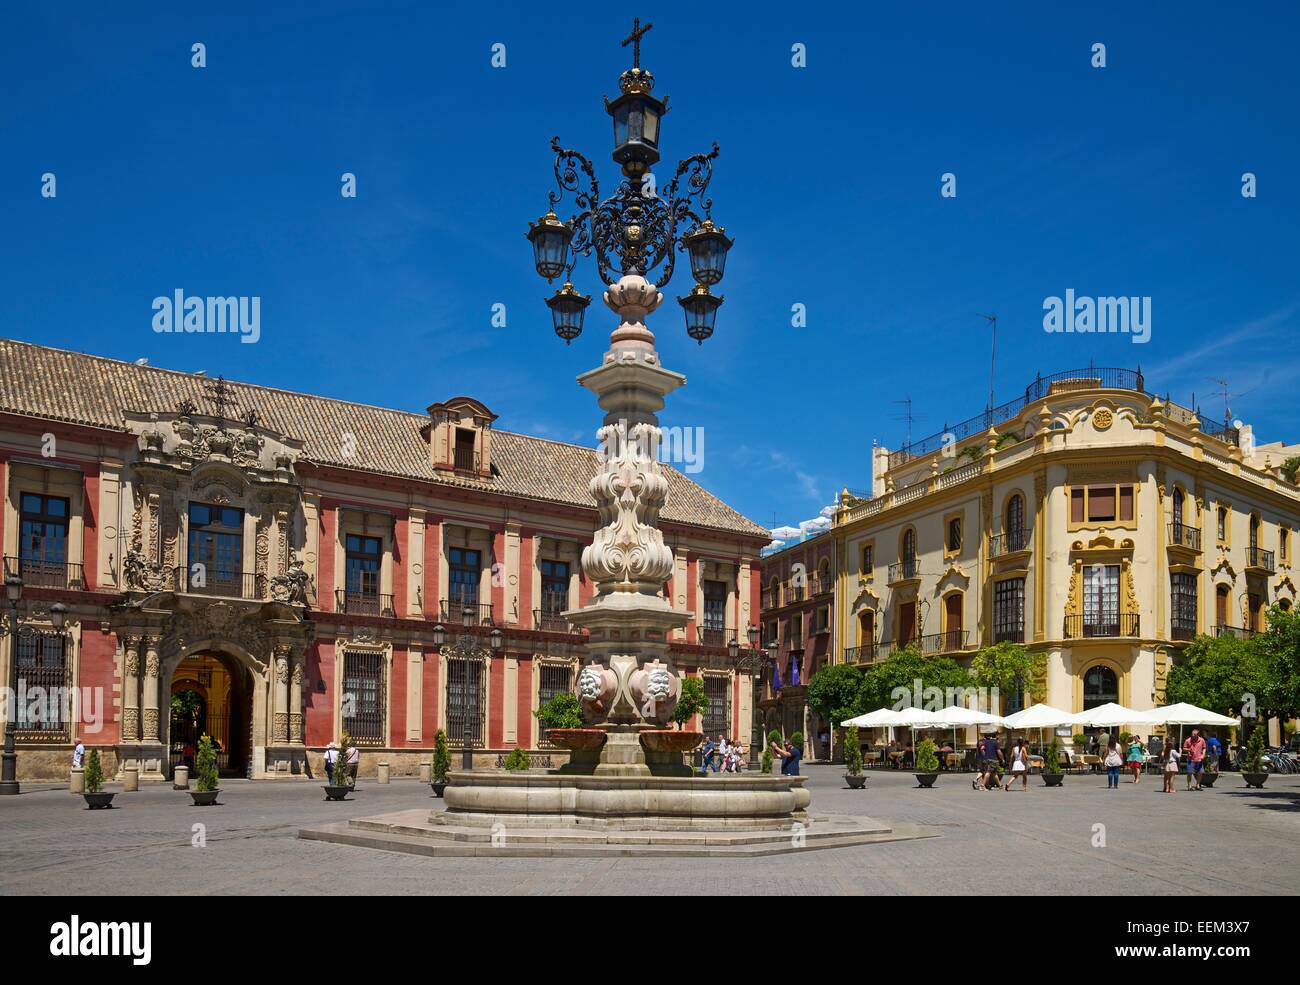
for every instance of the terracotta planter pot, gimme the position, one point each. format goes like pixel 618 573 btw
pixel 95 801
pixel 856 781
pixel 926 779
pixel 577 739
pixel 670 740
pixel 337 793
pixel 1254 779
pixel 205 798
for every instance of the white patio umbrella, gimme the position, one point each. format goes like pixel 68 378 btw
pixel 918 718
pixel 880 718
pixel 955 717
pixel 1182 713
pixel 1108 715
pixel 1039 716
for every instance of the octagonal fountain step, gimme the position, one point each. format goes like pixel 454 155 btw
pixel 417 832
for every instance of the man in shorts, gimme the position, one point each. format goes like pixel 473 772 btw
pixel 990 758
pixel 1194 751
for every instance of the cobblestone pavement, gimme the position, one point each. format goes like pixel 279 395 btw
pixel 1222 841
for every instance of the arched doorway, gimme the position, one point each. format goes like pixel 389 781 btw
pixel 1100 686
pixel 211 694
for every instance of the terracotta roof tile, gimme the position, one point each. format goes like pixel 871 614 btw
pixel 56 384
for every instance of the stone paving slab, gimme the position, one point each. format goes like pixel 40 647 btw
pixel 1223 841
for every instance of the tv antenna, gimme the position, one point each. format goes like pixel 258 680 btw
pixel 909 417
pixel 993 353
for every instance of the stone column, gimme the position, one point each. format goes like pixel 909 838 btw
pixel 280 694
pixel 131 689
pixel 295 700
pixel 151 689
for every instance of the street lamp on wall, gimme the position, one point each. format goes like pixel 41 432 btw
pixel 9 760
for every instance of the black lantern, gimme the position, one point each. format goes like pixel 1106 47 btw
pixel 708 248
pixel 636 116
pixel 496 638
pixel 568 307
pixel 752 634
pixel 58 616
pixel 733 649
pixel 13 589
pixel 439 635
pixel 701 310
pixel 550 238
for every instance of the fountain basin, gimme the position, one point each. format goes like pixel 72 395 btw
pixel 670 740
pixel 577 739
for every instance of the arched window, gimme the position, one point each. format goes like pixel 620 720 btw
pixel 1015 523
pixel 866 635
pixel 1253 553
pixel 1222 598
pixel 952 620
pixel 1100 686
pixel 1221 531
pixel 907 553
pixel 1178 513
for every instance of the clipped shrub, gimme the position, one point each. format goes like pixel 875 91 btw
pixel 796 740
pixel 518 759
pixel 852 751
pixel 441 757
pixel 205 765
pixel 1052 758
pixel 926 760
pixel 94 774
pixel 1254 751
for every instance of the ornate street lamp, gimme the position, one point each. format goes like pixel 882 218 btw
pixel 467 648
pixel 635 231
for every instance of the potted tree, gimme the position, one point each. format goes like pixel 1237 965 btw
pixel 767 760
pixel 853 774
pixel 343 779
pixel 205 774
pixel 1253 768
pixel 927 763
pixel 441 763
pixel 96 796
pixel 1052 775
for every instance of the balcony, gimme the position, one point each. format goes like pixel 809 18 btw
pixel 1181 535
pixel 822 585
pixel 465 458
pixel 1234 631
pixel 1259 560
pixel 713 636
pixel 1096 624
pixel 452 611
pixel 1009 634
pixel 1182 634
pixel 1008 542
pixel 865 654
pixel 363 603
pixel 794 592
pixel 62 575
pixel 200 580
pixel 903 570
pixel 771 599
pixel 550 617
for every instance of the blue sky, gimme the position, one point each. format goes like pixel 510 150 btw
pixel 1123 180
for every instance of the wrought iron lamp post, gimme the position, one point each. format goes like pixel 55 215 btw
pixel 467 648
pixel 752 661
pixel 637 230
pixel 58 614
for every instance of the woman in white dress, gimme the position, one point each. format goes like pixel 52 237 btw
pixel 1019 766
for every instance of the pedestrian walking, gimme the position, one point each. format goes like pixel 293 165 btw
pixel 1136 757
pixel 353 765
pixel 1019 766
pixel 1194 754
pixel 990 759
pixel 78 752
pixel 1114 760
pixel 331 760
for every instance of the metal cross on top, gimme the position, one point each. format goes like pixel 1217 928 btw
pixel 220 394
pixel 634 39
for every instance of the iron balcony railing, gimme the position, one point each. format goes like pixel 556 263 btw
pixel 865 654
pixel 1257 557
pixel 1009 634
pixel 206 580
pixel 1095 624
pixel 1182 633
pixel 793 592
pixel 63 575
pixel 466 459
pixel 1235 631
pixel 453 611
pixel 1008 542
pixel 1092 378
pixel 550 616
pixel 363 603
pixel 1181 535
pixel 905 568
pixel 771 598
pixel 822 584
pixel 713 636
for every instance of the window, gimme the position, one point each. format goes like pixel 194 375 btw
pixel 1101 600
pixel 952 617
pixel 908 552
pixel 43 543
pixel 1178 512
pixel 1222 598
pixel 1221 528
pixel 1283 542
pixel 717 717
pixel 822 620
pixel 463 570
pixel 866 628
pixel 551 681
pixel 1099 687
pixel 1102 504
pixel 1009 610
pixel 363 560
pixel 1255 605
pixel 465 458
pixel 363 696
pixel 1014 698
pixel 42 664
pixel 868 560
pixel 1183 605
pixel 714 628
pixel 1015 529
pixel 466 696
pixel 216 542
pixel 1254 535
pixel 954 535
pixel 555 587
pixel 907 630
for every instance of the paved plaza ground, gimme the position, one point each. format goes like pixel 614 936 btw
pixel 1223 841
